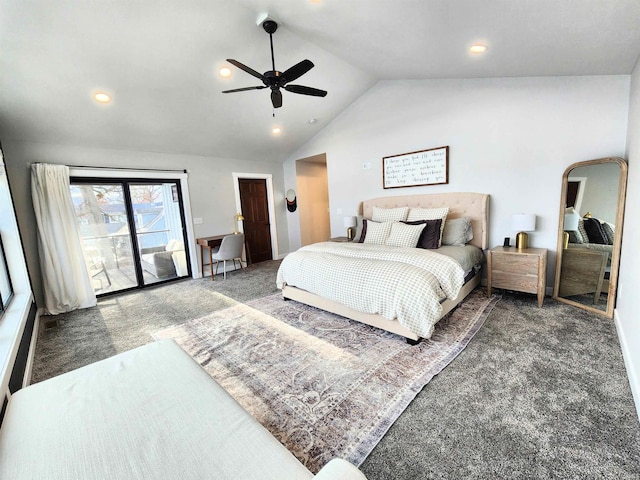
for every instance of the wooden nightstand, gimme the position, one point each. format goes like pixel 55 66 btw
pixel 339 239
pixel 519 270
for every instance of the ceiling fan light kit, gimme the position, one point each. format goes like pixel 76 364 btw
pixel 274 79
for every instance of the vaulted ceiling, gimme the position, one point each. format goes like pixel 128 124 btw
pixel 159 60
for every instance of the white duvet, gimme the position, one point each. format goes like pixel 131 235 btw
pixel 406 284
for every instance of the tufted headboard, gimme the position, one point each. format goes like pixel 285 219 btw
pixel 466 204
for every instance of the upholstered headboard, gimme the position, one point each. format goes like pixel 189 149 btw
pixel 466 204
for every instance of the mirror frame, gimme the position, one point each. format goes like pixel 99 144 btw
pixel 617 241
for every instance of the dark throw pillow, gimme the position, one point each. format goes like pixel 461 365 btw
pixel 595 232
pixel 430 237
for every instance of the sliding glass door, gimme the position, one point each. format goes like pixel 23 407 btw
pixel 132 232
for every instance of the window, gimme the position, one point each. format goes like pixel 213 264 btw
pixel 132 231
pixel 6 290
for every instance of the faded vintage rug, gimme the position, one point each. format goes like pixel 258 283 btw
pixel 323 385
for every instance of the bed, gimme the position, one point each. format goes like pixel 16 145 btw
pixel 586 260
pixel 367 267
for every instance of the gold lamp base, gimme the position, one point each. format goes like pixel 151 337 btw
pixel 350 232
pixel 565 240
pixel 522 240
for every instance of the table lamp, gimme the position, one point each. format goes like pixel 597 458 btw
pixel 523 222
pixel 571 222
pixel 349 223
pixel 237 218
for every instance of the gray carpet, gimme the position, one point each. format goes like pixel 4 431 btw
pixel 537 393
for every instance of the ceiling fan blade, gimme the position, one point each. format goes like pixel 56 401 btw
pixel 249 70
pixel 301 89
pixel 276 98
pixel 244 89
pixel 297 70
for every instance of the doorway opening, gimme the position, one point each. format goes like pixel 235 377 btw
pixel 132 232
pixel 313 199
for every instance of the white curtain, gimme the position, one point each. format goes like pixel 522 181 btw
pixel 67 285
pixel 173 223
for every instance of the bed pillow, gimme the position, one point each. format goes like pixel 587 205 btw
pixel 359 227
pixel 375 232
pixel 403 235
pixel 610 232
pixel 429 214
pixel 457 231
pixel 389 214
pixel 582 231
pixel 430 235
pixel 575 237
pixel 595 231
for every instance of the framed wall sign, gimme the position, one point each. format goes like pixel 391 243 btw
pixel 425 167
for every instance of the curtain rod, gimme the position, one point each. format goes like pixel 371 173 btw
pixel 125 168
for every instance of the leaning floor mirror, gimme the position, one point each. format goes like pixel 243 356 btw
pixel 590 234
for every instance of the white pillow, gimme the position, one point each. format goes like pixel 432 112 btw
pixel 389 214
pixel 377 233
pixel 403 235
pixel 171 245
pixel 416 214
pixel 174 245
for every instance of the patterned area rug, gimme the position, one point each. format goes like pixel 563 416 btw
pixel 323 385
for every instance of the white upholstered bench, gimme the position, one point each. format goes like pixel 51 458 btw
pixel 150 413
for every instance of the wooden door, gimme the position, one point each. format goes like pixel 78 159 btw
pixel 255 209
pixel 572 193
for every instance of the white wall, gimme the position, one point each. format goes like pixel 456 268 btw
pixel 210 180
pixel 628 306
pixel 509 137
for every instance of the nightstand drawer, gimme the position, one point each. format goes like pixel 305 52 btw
pixel 514 281
pixel 518 264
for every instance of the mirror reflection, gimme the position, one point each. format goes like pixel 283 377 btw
pixel 586 270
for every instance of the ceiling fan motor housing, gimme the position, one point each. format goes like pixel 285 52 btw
pixel 270 26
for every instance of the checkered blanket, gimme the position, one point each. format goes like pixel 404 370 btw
pixel 406 284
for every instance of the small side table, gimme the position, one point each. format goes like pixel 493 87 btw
pixel 339 239
pixel 521 270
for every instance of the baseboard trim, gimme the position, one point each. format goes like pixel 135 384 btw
pixel 632 374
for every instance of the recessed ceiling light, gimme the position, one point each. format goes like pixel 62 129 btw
pixel 313 120
pixel 276 130
pixel 102 97
pixel 478 48
pixel 224 72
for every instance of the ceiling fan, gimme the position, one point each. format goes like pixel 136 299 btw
pixel 274 79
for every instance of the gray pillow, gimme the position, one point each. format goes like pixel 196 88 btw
pixel 358 234
pixel 575 237
pixel 457 231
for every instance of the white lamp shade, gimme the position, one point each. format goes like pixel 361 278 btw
pixel 571 221
pixel 350 221
pixel 523 222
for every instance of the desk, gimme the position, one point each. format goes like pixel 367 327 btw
pixel 209 243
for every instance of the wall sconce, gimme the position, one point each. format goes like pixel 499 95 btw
pixel 237 218
pixel 349 223
pixel 292 202
pixel 524 222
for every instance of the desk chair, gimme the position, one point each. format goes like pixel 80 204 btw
pixel 230 249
